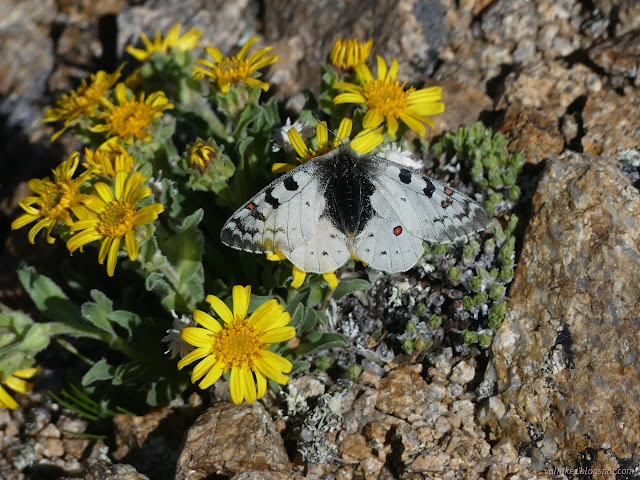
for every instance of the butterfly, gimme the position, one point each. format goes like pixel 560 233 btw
pixel 345 204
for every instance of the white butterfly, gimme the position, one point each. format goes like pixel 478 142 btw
pixel 345 204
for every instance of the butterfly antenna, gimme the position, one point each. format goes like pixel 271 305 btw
pixel 325 126
pixel 367 132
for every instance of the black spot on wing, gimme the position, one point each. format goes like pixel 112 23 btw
pixel 429 187
pixel 270 199
pixel 405 175
pixel 290 184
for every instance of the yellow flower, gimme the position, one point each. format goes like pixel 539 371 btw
pixel 230 70
pixel 81 102
pixel 129 119
pixel 57 199
pixel 17 384
pixel 346 54
pixel 114 218
pixel 108 159
pixel 386 100
pixel 240 344
pixel 173 40
pixel 200 155
pixel 363 143
pixel 300 275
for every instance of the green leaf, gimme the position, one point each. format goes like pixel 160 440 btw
pixel 99 371
pixel 96 312
pixel 324 342
pixel 350 286
pixel 125 319
pixel 48 297
pixel 299 366
pixel 297 317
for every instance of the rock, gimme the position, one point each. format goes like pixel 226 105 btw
pixel 402 393
pixel 412 31
pixel 267 476
pixel 103 469
pixel 225 25
pixel 228 439
pixel 28 58
pixel 611 122
pixel 566 356
pixel 463 106
pixel 132 431
pixel 532 132
pixel 619 57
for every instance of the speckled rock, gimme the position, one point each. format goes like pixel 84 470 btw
pixel 103 469
pixel 225 25
pixel 267 476
pixel 303 33
pixel 611 122
pixel 530 131
pixel 26 58
pixel 228 439
pixel 550 86
pixel 619 57
pixel 566 356
pixel 464 104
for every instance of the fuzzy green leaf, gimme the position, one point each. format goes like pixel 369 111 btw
pixel 350 286
pixel 48 297
pixel 323 342
pixel 99 371
pixel 96 312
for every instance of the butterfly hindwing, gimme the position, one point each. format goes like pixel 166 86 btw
pixel 282 216
pixel 443 214
pixel 325 252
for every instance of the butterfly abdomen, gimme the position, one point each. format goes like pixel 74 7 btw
pixel 348 194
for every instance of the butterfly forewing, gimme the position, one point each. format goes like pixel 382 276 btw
pixel 281 217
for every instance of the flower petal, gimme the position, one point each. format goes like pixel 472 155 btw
pixel 191 357
pixel 241 297
pixel 220 308
pixel 198 337
pixel 112 257
pixel 277 335
pixel 207 321
pixel 131 243
pixel 213 375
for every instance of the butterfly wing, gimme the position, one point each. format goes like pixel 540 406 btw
pixel 287 216
pixel 407 208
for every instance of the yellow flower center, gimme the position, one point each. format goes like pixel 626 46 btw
pixel 231 70
pixel 237 344
pixel 389 99
pixel 56 199
pixel 129 119
pixel 116 220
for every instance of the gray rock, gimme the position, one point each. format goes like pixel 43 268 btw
pixel 566 355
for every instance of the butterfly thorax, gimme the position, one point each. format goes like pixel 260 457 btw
pixel 348 190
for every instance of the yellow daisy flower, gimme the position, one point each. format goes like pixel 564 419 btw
pixel 386 100
pixel 239 344
pixel 56 199
pixel 129 119
pixel 200 155
pixel 300 275
pixel 346 54
pixel 16 382
pixel 230 70
pixel 81 102
pixel 173 41
pixel 363 143
pixel 108 159
pixel 114 218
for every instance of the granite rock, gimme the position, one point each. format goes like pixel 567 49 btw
pixel 566 355
pixel 228 439
pixel 611 122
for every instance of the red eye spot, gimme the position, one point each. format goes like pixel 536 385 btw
pixel 397 231
pixel 251 206
pixel 448 191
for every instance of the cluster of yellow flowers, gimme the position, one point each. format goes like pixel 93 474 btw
pixel 101 203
